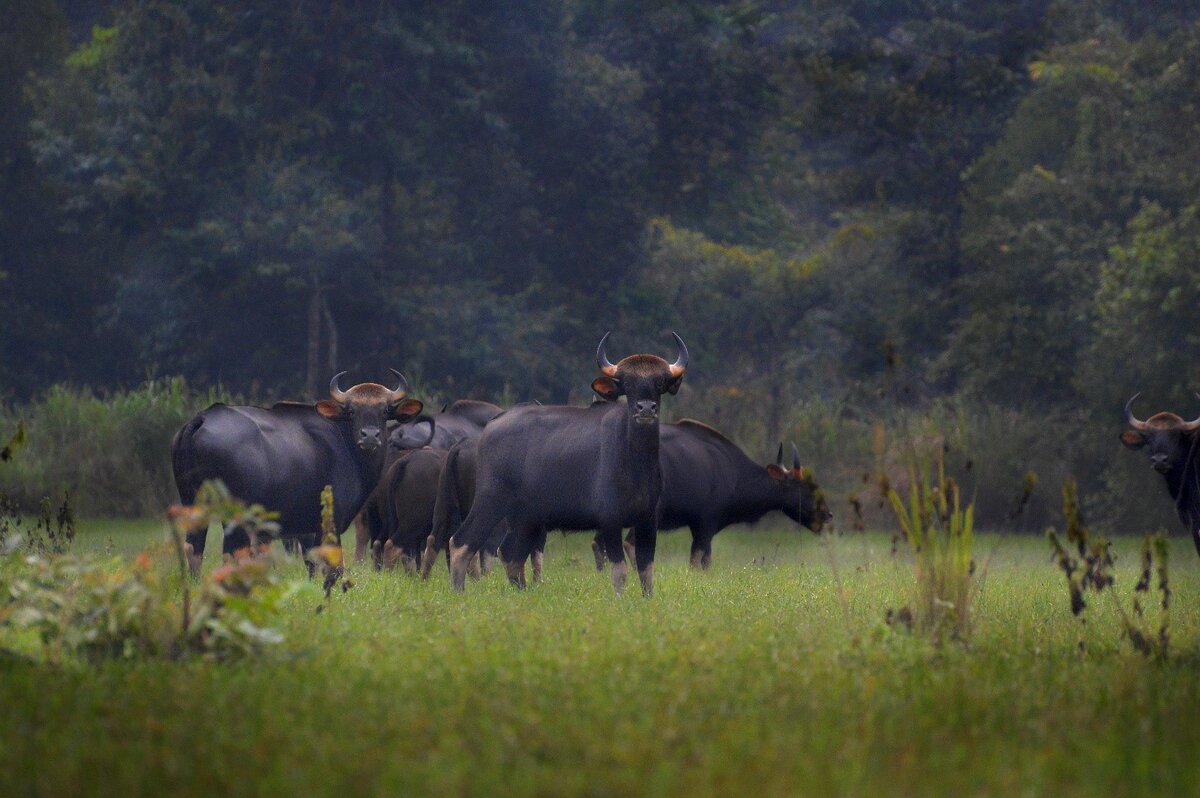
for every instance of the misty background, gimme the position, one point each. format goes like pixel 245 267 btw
pixel 870 221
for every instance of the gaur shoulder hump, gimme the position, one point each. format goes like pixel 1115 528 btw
pixel 470 405
pixel 700 426
pixel 289 404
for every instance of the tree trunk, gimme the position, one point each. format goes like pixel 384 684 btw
pixel 315 300
pixel 331 327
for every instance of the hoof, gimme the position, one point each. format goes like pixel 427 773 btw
pixel 619 572
pixel 516 573
pixel 460 557
pixel 647 577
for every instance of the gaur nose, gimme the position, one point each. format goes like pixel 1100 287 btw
pixel 1159 461
pixel 647 406
pixel 369 438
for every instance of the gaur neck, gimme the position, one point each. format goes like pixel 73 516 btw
pixel 1183 481
pixel 370 469
pixel 642 441
pixel 757 494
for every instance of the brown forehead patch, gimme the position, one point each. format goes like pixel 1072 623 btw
pixel 642 366
pixel 1164 421
pixel 369 393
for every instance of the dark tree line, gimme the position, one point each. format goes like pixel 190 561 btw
pixel 841 199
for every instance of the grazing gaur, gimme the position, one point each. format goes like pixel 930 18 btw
pixel 575 468
pixel 465 418
pixel 281 457
pixel 709 483
pixel 1172 444
pixel 400 511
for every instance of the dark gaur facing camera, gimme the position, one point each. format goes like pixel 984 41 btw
pixel 575 468
pixel 283 456
pixel 1171 445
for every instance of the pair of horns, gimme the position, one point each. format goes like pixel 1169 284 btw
pixel 1138 424
pixel 795 457
pixel 609 369
pixel 342 397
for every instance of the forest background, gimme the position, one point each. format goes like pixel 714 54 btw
pixel 871 222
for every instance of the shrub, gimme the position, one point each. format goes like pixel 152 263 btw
pixel 1089 569
pixel 940 532
pixel 93 609
pixel 111 454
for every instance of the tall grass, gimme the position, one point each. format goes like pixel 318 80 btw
pixel 990 451
pixel 941 534
pixel 111 453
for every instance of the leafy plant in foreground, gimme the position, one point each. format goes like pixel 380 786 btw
pixel 328 559
pixel 53 530
pixel 1090 569
pixel 94 608
pixel 940 532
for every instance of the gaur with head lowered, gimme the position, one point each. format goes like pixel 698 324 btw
pixel 709 483
pixel 282 457
pixel 576 468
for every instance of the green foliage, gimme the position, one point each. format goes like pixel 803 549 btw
pixel 93 608
pixel 101 45
pixel 940 532
pixel 1145 308
pixel 14 445
pixel 110 453
pixel 216 505
pixel 328 558
pixel 867 207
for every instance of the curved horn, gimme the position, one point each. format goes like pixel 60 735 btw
pixel 606 366
pixel 400 391
pixel 795 458
pixel 1132 420
pixel 779 457
pixel 432 428
pixel 336 393
pixel 1192 425
pixel 681 360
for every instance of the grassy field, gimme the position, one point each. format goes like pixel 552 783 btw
pixel 773 673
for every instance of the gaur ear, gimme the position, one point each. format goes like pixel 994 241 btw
pixel 673 385
pixel 1133 439
pixel 329 408
pixel 608 388
pixel 776 473
pixel 407 409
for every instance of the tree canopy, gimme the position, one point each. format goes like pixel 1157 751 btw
pixel 836 199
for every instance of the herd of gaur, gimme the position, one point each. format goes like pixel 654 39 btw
pixel 476 481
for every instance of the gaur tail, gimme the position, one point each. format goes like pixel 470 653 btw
pixel 183 460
